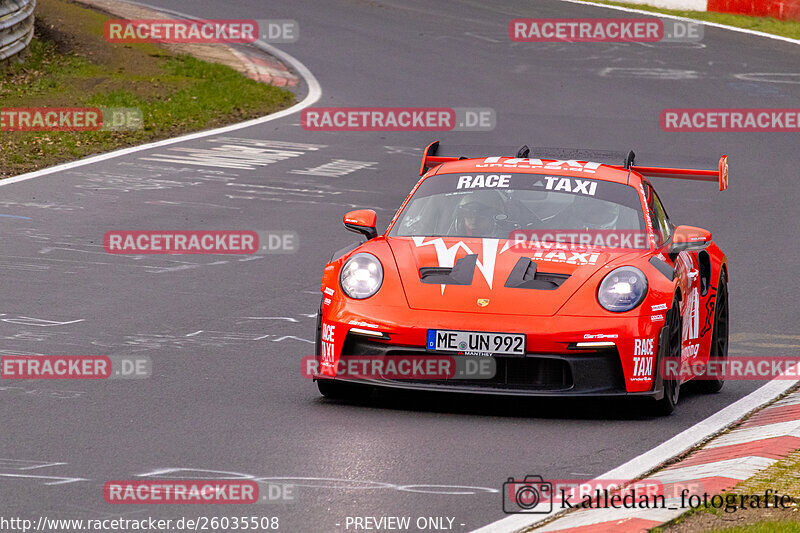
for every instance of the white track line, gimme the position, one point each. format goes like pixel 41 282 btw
pixel 314 94
pixel 641 465
pixel 675 17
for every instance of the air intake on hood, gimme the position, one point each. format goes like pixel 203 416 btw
pixel 460 274
pixel 525 276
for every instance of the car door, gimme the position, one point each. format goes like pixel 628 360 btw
pixel 687 271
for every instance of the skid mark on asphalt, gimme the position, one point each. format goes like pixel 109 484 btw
pixel 138 177
pixel 66 251
pixel 252 188
pixel 40 205
pixel 37 322
pixel 286 318
pixel 18 352
pixel 324 483
pixel 23 266
pixel 264 143
pixel 413 151
pixel 19 330
pixel 107 181
pixel 34 470
pixel 237 332
pixel 60 339
pixel 189 266
pixel 157 171
pixel 299 201
pixel 234 153
pixel 770 77
pixel 124 261
pixel 336 168
pixel 650 73
pixel 230 154
pixel 199 205
pixel 47 394
pixel 25 387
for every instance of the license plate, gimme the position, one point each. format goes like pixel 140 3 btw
pixel 476 342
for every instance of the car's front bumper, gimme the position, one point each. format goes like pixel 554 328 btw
pixel 560 371
pixel 597 373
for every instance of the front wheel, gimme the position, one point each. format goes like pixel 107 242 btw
pixel 670 351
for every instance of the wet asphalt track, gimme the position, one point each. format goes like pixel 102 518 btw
pixel 230 398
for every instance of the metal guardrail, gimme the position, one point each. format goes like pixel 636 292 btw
pixel 16 26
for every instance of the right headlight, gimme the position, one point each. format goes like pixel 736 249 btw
pixel 361 276
pixel 622 289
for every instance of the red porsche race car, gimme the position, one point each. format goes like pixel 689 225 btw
pixel 568 276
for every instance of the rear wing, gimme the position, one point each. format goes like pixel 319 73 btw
pixel 720 175
pixel 431 158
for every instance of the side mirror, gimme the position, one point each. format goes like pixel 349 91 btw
pixel 689 238
pixel 362 221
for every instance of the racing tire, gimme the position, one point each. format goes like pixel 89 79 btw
pixel 671 350
pixel 318 335
pixel 719 337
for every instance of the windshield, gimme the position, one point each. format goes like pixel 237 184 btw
pixel 494 205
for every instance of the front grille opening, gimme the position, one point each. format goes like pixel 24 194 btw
pixel 535 373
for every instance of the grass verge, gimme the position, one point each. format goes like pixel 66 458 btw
pixel 70 64
pixel 784 28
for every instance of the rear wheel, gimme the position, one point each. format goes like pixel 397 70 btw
pixel 719 338
pixel 670 351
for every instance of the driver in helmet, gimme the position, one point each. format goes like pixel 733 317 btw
pixel 588 213
pixel 478 213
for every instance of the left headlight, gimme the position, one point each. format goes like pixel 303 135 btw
pixel 622 289
pixel 361 276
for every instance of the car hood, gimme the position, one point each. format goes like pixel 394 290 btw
pixel 494 281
